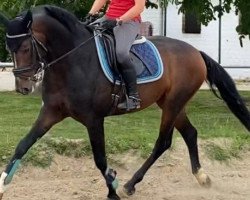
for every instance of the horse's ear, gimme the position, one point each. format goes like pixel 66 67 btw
pixel 27 20
pixel 4 20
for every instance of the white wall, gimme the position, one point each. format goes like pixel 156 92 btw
pixel 232 54
pixel 7 81
pixel 154 16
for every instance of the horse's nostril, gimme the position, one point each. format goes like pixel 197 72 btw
pixel 25 91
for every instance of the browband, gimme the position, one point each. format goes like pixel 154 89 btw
pixel 17 36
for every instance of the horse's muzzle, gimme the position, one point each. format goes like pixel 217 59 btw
pixel 24 91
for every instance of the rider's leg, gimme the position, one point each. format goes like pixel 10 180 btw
pixel 125 36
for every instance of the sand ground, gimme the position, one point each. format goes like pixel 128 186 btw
pixel 169 179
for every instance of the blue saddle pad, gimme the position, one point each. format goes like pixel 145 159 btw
pixel 146 52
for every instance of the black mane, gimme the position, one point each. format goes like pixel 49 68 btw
pixel 66 18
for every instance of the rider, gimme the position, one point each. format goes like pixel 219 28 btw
pixel 123 17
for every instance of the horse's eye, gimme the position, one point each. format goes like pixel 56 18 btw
pixel 25 50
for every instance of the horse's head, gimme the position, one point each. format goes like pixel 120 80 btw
pixel 38 40
pixel 25 50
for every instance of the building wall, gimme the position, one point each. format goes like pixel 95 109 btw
pixel 232 54
pixel 154 16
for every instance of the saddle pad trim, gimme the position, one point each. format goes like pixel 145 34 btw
pixel 109 74
pixel 104 64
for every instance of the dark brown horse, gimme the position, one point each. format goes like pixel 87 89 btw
pixel 52 40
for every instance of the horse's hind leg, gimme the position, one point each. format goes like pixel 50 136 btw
pixel 189 134
pixel 162 144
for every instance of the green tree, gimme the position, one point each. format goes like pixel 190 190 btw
pixel 78 7
pixel 206 11
pixel 12 7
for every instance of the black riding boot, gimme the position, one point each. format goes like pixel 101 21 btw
pixel 129 76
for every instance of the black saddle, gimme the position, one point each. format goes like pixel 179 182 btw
pixel 108 41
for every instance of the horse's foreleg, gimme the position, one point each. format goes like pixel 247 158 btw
pixel 189 134
pixel 44 122
pixel 162 144
pixel 97 140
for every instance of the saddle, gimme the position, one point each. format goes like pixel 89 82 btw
pixel 108 41
pixel 143 53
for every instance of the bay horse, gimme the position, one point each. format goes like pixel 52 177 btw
pixel 51 40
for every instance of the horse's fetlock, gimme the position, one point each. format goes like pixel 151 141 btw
pixel 110 176
pixel 128 189
pixel 11 171
pixel 138 177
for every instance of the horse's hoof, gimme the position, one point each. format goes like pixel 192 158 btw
pixel 113 197
pixel 1 196
pixel 207 183
pixel 128 190
pixel 122 193
pixel 203 179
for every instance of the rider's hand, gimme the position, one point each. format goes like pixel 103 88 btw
pixel 109 24
pixel 89 18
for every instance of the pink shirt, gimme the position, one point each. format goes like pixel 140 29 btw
pixel 119 7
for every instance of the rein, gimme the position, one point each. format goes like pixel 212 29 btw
pixel 41 65
pixel 37 66
pixel 73 50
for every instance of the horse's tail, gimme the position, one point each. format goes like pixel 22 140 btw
pixel 219 78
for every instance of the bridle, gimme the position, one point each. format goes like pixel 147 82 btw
pixel 41 65
pixel 38 66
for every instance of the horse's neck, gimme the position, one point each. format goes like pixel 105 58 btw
pixel 81 60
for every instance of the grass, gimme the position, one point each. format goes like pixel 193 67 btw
pixel 136 131
pixel 226 149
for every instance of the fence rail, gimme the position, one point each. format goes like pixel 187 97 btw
pixel 6 64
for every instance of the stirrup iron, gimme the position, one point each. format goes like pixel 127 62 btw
pixel 130 103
